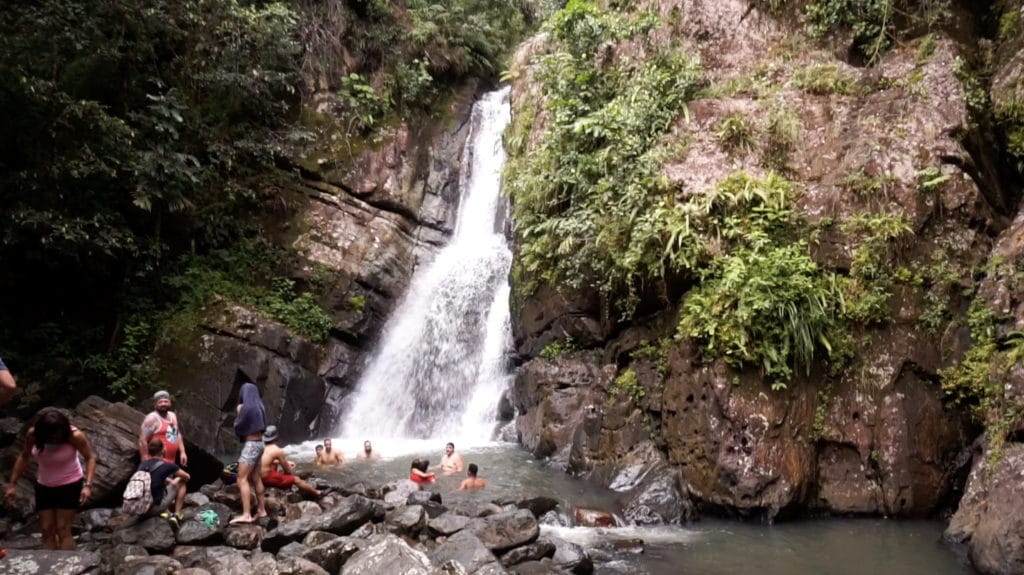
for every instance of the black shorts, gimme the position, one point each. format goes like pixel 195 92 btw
pixel 60 497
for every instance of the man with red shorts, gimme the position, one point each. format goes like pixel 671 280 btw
pixel 162 424
pixel 275 470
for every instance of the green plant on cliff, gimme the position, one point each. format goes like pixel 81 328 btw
pixel 585 190
pixel 251 273
pixel 876 24
pixel 357 303
pixel 761 299
pixel 735 134
pixel 298 311
pixel 592 210
pixel 868 287
pixel 559 347
pixel 780 135
pixel 628 384
pixel 824 79
pixel 977 381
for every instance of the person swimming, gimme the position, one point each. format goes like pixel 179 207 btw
pixel 368 452
pixel 472 481
pixel 418 471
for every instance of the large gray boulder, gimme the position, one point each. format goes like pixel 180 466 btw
pixel 464 548
pixel 350 514
pixel 45 562
pixel 387 555
pixel 503 531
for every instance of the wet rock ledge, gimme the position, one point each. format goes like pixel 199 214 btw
pixel 366 530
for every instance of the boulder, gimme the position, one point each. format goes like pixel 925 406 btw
pixel 572 558
pixel 47 562
pixel 400 491
pixel 244 536
pixel 299 566
pixel 154 533
pixel 263 563
pixel 552 396
pixel 387 555
pixel 332 554
pixel 114 555
pixel 503 531
pixel 464 548
pixel 155 565
pixel 535 551
pixel 408 520
pixel 594 518
pixel 314 538
pixel 352 512
pixel 448 523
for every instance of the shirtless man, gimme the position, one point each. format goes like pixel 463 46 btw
pixel 472 481
pixel 332 457
pixel 275 470
pixel 368 452
pixel 319 454
pixel 451 462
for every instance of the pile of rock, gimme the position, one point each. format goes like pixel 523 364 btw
pixel 355 530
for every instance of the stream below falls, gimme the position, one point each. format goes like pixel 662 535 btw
pixel 834 546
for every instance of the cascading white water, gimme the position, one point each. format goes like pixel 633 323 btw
pixel 440 367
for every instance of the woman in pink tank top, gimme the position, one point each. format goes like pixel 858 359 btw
pixel 61 487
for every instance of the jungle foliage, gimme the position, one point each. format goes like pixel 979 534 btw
pixel 592 209
pixel 140 147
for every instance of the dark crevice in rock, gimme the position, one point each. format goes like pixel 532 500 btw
pixel 385 205
pixel 355 340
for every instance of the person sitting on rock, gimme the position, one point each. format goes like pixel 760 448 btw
pixel 472 481
pixel 418 472
pixel 167 481
pixel 276 471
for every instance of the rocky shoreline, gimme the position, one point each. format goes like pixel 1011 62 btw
pixel 396 528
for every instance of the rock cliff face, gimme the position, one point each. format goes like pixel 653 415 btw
pixel 877 437
pixel 361 230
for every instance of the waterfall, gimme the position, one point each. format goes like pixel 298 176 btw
pixel 441 363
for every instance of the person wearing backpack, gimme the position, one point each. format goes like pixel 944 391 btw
pixel 61 487
pixel 156 485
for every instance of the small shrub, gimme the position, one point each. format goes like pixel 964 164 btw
pixel 628 384
pixel 867 186
pixel 867 289
pixel 824 79
pixel 735 134
pixel 931 179
pixel 357 302
pixel 559 348
pixel 1009 24
pixel 780 135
